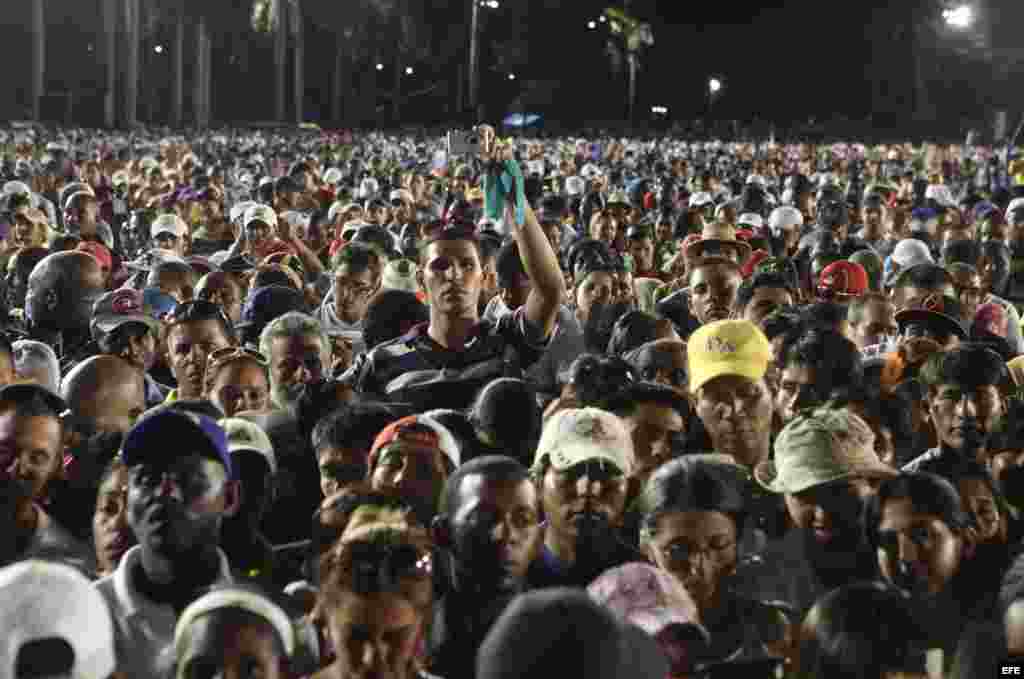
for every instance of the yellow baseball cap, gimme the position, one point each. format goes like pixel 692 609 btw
pixel 729 347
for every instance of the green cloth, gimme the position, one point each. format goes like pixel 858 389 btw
pixel 499 187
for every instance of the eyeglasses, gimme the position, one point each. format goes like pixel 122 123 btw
pixel 226 354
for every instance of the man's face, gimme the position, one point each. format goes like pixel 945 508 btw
pixel 295 362
pixel 713 293
pixel 873 221
pixel 88 215
pixel 829 513
pixel 979 500
pixel 589 490
pixel 969 290
pixel 642 250
pixel 699 548
pixel 604 227
pixel 918 552
pixel 453 278
pixel 374 637
pixel 415 472
pixel 657 432
pixel 188 346
pixel 597 287
pixel 341 468
pixel 135 343
pixel 30 454
pixel 516 293
pixel 964 416
pixel 378 214
pixel 877 324
pixel 176 504
pixel 495 529
pixel 231 643
pixel 257 232
pixel 766 299
pixel 663 232
pixel 994 271
pixel 116 403
pixel 798 389
pixel 737 413
pixel 352 292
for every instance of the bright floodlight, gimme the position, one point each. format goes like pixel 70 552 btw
pixel 408 70
pixel 493 4
pixel 511 76
pixel 714 85
pixel 960 17
pixel 380 67
pixel 603 19
pixel 659 110
pixel 591 25
pixel 159 49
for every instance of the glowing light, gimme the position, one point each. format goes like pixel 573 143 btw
pixel 714 85
pixel 408 70
pixel 511 76
pixel 380 67
pixel 591 25
pixel 159 49
pixel 959 17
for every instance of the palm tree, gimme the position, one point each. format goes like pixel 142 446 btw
pixel 635 35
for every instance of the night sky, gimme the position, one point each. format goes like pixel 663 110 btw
pixel 780 60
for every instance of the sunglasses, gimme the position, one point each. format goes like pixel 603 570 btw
pixel 226 354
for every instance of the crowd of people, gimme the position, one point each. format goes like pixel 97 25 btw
pixel 357 406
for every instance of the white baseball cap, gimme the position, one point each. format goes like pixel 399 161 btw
pixel 700 199
pixel 168 223
pixel 246 435
pixel 45 600
pixel 239 209
pixel 262 213
pixel 941 194
pixel 400 274
pixel 750 219
pixel 575 186
pixel 1015 204
pixel 785 218
pixel 575 435
pixel 332 175
pixel 368 188
pixel 241 598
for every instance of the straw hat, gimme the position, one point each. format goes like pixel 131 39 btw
pixel 721 234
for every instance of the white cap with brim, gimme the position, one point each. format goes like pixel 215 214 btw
pixel 168 223
pixel 249 436
pixel 237 598
pixel 260 213
pixel 576 435
pixel 45 600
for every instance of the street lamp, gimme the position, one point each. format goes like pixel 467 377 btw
pixel 380 67
pixel 159 49
pixel 714 85
pixel 511 76
pixel 959 17
pixel 591 25
pixel 602 18
pixel 493 4
pixel 408 70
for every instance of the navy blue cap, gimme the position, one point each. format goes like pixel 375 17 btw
pixel 267 303
pixel 169 433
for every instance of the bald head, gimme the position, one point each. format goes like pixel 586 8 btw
pixel 62 289
pixel 106 391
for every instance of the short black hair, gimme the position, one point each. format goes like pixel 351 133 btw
pixel 835 359
pixel 509 265
pixel 390 314
pixel 925 276
pixel 969 364
pixel 962 251
pixel 351 426
pixel 768 279
pixel 358 257
pixel 501 468
pixel 825 315
pixel 627 400
pixel 693 483
pixel 780 323
pixel 450 233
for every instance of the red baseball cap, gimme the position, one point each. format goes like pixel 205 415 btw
pixel 842 280
pixel 421 430
pixel 100 252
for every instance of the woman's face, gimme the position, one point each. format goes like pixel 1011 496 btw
pixel 699 549
pixel 374 637
pixel 239 386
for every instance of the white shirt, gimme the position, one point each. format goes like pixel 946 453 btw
pixel 143 629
